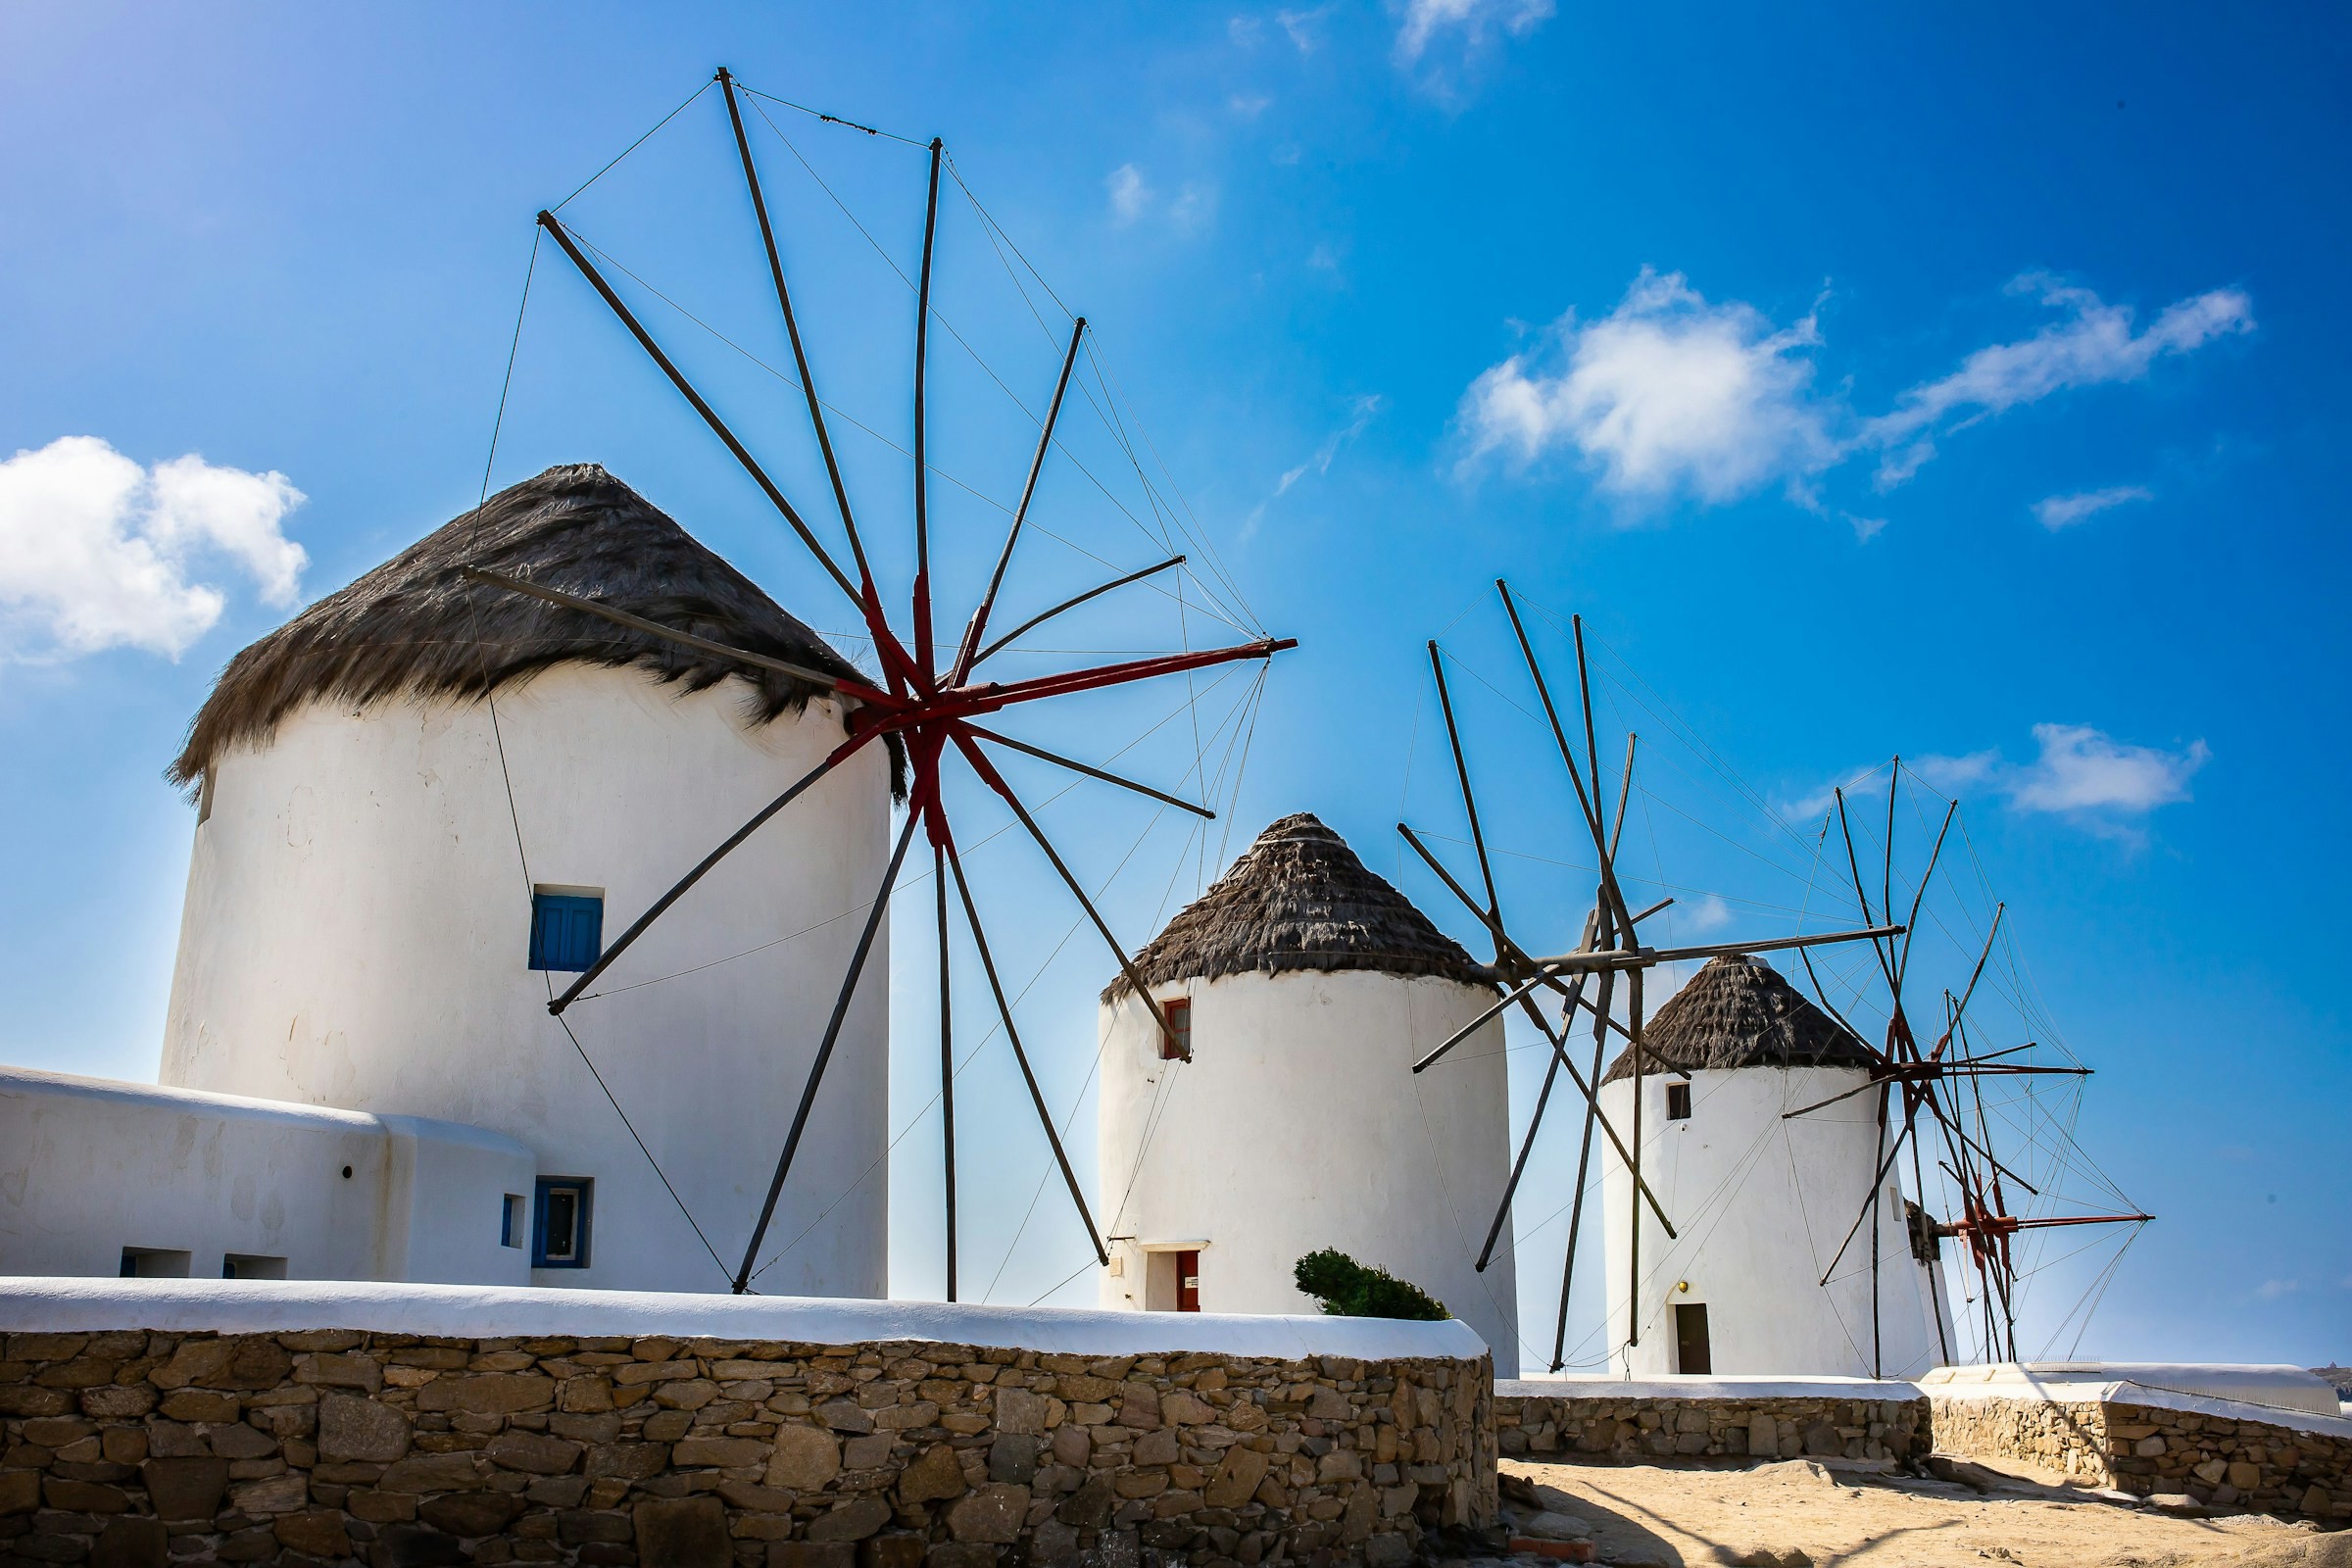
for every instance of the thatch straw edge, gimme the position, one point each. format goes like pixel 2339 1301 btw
pixel 413 627
pixel 1299 900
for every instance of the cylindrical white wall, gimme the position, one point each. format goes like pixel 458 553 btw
pixel 357 934
pixel 1298 1125
pixel 1761 1204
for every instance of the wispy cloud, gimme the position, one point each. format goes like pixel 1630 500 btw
pixel 2094 343
pixel 1709 914
pixel 1304 28
pixel 1472 23
pixel 1134 198
pixel 97 551
pixel 1667 393
pixel 2273 1289
pixel 1674 394
pixel 2064 512
pixel 2083 769
pixel 2079 773
pixel 1129 195
pixel 1362 413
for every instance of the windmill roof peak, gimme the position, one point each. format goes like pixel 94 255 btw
pixel 1739 1012
pixel 1299 899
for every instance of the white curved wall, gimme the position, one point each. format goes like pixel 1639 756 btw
pixel 89 1168
pixel 1761 1204
pixel 357 934
pixel 1298 1125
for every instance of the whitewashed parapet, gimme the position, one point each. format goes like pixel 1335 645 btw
pixel 1650 1422
pixel 135 1433
pixel 2219 1453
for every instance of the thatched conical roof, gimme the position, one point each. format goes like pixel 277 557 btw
pixel 1299 900
pixel 1738 1012
pixel 414 628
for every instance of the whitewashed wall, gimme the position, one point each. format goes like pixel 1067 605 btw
pixel 1761 1204
pixel 89 1168
pixel 357 934
pixel 1298 1125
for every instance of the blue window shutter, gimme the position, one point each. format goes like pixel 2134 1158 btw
pixel 567 930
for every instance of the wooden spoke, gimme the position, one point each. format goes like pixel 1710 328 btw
pixel 824 1050
pixel 968 653
pixel 1037 1098
pixel 719 428
pixel 922 464
pixel 1034 621
pixel 622 942
pixel 1075 767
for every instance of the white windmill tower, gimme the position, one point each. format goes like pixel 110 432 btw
pixel 1762 1196
pixel 392 877
pixel 1280 1117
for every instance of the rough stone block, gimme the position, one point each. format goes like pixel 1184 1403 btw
pixel 317 1532
pixel 934 1477
pixel 854 1520
pixel 130 1543
pixel 993 1515
pixel 821 1553
pixel 683 1533
pixel 470 1514
pixel 960 1555
pixel 271 1495
pixel 83 1497
pixel 487 1393
pixel 536 1454
pixel 417 1547
pixel 896 1550
pixel 804 1459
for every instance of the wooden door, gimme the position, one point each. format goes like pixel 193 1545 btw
pixel 1691 1353
pixel 1188 1282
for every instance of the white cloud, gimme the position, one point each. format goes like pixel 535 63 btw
pixel 1305 28
pixel 1711 914
pixel 2273 1289
pixel 1362 413
pixel 2093 344
pixel 1134 198
pixel 1672 393
pixel 1476 21
pixel 2081 770
pixel 97 551
pixel 2064 512
pixel 1129 195
pixel 1666 393
pixel 2080 773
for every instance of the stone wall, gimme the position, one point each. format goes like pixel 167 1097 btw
pixel 142 1448
pixel 1645 1426
pixel 2218 1460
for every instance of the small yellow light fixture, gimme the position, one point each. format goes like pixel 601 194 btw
pixel 1684 1286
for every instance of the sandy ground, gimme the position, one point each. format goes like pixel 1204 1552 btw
pixel 1789 1515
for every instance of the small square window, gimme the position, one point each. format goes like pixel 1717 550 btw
pixel 567 929
pixel 559 1227
pixel 155 1263
pixel 515 1220
pixel 1176 1041
pixel 1678 1101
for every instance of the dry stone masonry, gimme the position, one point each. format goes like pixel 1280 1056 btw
pixel 1641 1427
pixel 2217 1460
pixel 401 1450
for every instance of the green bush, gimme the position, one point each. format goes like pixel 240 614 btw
pixel 1348 1288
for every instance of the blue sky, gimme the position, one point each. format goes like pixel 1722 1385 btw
pixel 1968 386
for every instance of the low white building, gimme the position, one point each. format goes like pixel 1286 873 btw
pixel 1283 1117
pixel 1761 1200
pixel 391 879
